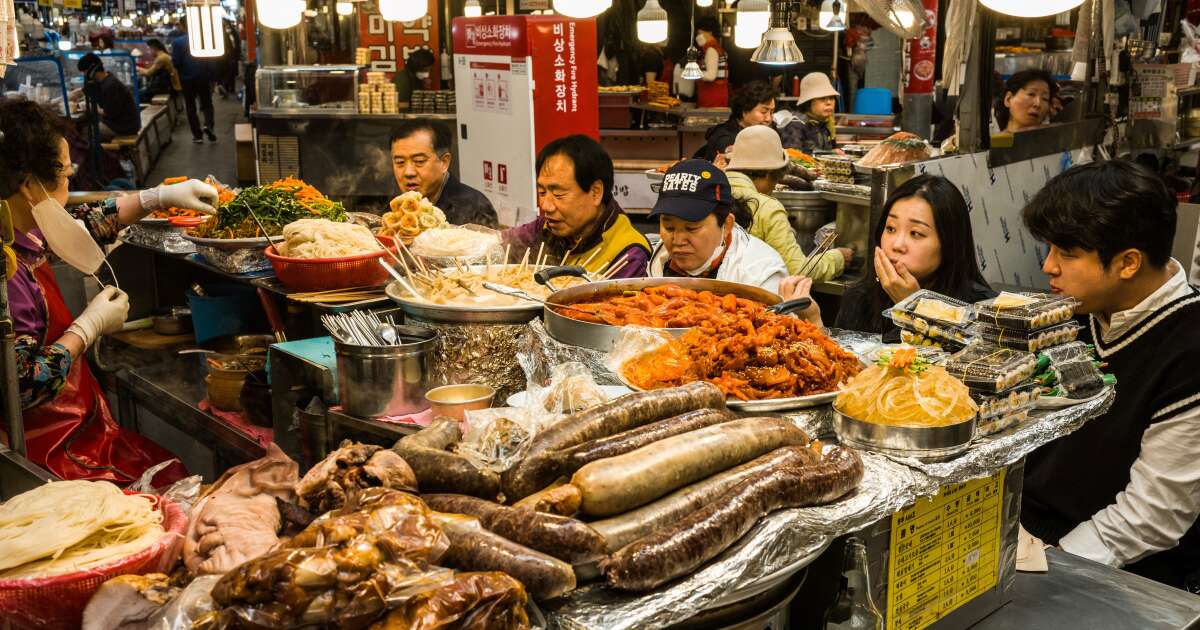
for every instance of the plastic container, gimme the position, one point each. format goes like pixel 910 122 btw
pixel 1069 352
pixel 58 602
pixel 325 274
pixel 1032 340
pixel 1041 310
pixel 1076 379
pixel 989 368
pixel 995 425
pixel 225 309
pixel 1023 397
pixel 921 341
pixel 873 101
pixel 934 316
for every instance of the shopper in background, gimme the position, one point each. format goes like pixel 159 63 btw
pixel 118 112
pixel 752 105
pixel 757 163
pixel 923 241
pixel 421 158
pixel 812 129
pixel 69 429
pixel 414 75
pixel 579 221
pixel 1123 489
pixel 161 75
pixel 700 238
pixel 712 90
pixel 196 77
pixel 1028 101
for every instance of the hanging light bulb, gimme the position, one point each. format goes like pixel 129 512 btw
pixel 345 8
pixel 581 8
pixel 472 8
pixel 704 3
pixel 65 44
pixel 206 37
pixel 753 19
pixel 691 71
pixel 1025 8
pixel 903 15
pixel 108 22
pixel 833 16
pixel 652 23
pixel 280 14
pixel 403 10
pixel 126 23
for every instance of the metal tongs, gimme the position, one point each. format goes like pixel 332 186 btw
pixel 522 295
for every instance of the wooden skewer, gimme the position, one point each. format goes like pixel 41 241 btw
pixel 541 249
pixel 589 258
pixel 616 269
pixel 507 251
pixel 524 261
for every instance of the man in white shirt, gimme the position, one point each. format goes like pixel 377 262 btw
pixel 1124 489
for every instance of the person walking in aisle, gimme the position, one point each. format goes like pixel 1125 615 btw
pixel 196 77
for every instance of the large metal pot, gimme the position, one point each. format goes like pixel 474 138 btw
pixel 602 336
pixel 385 380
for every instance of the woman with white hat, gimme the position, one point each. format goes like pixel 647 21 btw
pixel 757 164
pixel 812 128
pixel 700 235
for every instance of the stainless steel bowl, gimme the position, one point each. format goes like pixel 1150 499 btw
pixel 602 336
pixel 927 444
pixel 386 380
pixel 518 314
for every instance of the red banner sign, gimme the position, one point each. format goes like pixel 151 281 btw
pixel 922 55
pixel 391 43
pixel 564 75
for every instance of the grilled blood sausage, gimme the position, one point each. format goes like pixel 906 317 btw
pixel 683 547
pixel 619 484
pixel 559 536
pixel 439 470
pixel 559 498
pixel 621 414
pixel 473 548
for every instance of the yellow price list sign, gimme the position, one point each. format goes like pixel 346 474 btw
pixel 73 4
pixel 944 552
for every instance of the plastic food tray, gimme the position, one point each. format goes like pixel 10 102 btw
pixel 1032 340
pixel 989 368
pixel 1044 311
pixel 919 305
pixel 1023 397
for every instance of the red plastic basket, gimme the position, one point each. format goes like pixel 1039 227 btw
pixel 326 274
pixel 57 602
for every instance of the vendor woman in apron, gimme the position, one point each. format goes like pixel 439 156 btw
pixel 69 429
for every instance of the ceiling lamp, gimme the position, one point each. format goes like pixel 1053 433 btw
pixel 280 14
pixel 778 48
pixel 753 19
pixel 1027 9
pixel 65 44
pixel 126 23
pixel 581 8
pixel 691 71
pixel 107 21
pixel 472 8
pixel 345 8
pixel 206 36
pixel 652 23
pixel 403 10
pixel 833 16
pixel 704 3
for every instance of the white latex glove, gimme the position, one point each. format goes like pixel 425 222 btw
pixel 104 315
pixel 190 195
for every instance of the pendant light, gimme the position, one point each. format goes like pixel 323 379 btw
pixel 345 8
pixel 403 10
pixel 472 8
pixel 1030 9
pixel 206 36
pixel 753 19
pixel 652 23
pixel 107 22
pixel 280 14
pixel 833 15
pixel 691 71
pixel 704 3
pixel 581 8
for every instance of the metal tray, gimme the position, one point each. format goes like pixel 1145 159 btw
pixel 927 444
pixel 466 314
pixel 258 242
pixel 770 404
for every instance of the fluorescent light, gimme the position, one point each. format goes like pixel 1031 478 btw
pixel 403 10
pixel 345 8
pixel 753 19
pixel 652 23
pixel 206 36
pixel 704 3
pixel 472 8
pixel 280 14
pixel 581 8
pixel 1027 8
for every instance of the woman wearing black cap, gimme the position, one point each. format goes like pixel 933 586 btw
pixel 700 238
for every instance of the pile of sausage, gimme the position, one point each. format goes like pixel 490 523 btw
pixel 642 490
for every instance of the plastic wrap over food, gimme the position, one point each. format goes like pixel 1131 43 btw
pixel 485 354
pixel 633 342
pixel 497 438
pixel 538 353
pixel 164 238
pixel 449 247
pixel 242 260
pixel 987 454
pixel 571 388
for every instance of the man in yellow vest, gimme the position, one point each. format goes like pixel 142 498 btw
pixel 579 222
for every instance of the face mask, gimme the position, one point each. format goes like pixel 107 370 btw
pixel 422 75
pixel 707 266
pixel 700 39
pixel 66 237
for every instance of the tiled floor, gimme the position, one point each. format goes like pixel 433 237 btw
pixel 183 158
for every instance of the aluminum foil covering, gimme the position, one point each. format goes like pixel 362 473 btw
pixel 242 260
pixel 539 353
pixel 476 353
pixel 852 190
pixel 163 238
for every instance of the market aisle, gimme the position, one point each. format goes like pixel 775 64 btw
pixel 199 160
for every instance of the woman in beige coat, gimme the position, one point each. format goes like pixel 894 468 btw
pixel 757 165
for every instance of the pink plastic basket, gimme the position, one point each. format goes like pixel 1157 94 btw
pixel 57 602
